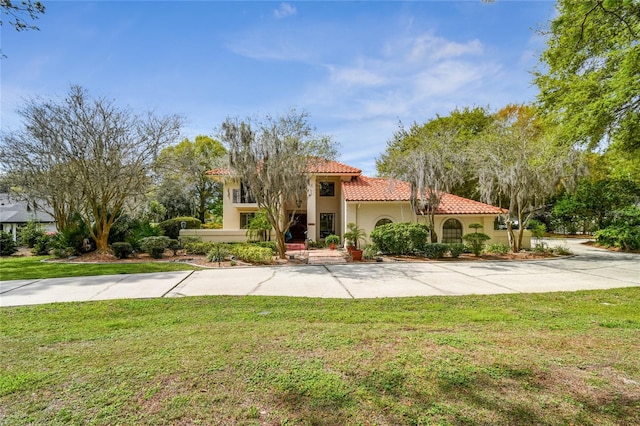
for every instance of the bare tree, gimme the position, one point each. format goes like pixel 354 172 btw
pixel 273 157
pixel 87 155
pixel 519 162
pixel 432 168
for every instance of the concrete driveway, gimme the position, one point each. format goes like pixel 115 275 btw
pixel 589 269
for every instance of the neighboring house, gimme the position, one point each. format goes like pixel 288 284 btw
pixel 15 214
pixel 339 194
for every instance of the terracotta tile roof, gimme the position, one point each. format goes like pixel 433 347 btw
pixel 452 204
pixel 364 188
pixel 333 167
pixel 317 167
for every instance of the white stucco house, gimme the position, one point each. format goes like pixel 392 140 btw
pixel 339 194
pixel 15 214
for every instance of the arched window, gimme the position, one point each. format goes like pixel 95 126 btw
pixel 452 231
pixel 383 221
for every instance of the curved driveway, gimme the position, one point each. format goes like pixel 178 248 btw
pixel 589 269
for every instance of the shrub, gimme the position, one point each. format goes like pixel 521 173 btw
pixel 316 244
pixel 42 245
pixel 456 249
pixel 30 233
pixel 122 250
pixel 218 252
pixel 155 246
pixel 188 239
pixel 7 245
pixel 401 238
pixel 369 251
pixel 198 247
pixel 253 254
pixel 139 229
pixel 271 245
pixel 435 250
pixel 561 250
pixel 171 228
pixel 624 230
pixel 476 240
pixel 498 248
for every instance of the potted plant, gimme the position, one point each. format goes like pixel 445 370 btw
pixel 332 241
pixel 355 235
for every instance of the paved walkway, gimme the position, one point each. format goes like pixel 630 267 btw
pixel 589 269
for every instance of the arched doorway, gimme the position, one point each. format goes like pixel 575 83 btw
pixel 452 231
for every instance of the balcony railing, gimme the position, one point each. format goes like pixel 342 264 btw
pixel 242 197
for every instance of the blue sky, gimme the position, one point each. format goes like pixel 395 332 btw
pixel 357 67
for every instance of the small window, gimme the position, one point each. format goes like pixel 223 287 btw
pixel 383 221
pixel 245 218
pixel 327 189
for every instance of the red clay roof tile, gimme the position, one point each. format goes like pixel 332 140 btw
pixel 364 188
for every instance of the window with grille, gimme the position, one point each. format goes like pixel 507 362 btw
pixel 452 231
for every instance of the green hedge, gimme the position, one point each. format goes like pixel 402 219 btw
pixel 171 228
pixel 155 246
pixel 401 238
pixel 122 250
pixel 436 250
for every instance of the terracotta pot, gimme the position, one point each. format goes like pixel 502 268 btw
pixel 356 255
pixel 332 246
pixel 351 248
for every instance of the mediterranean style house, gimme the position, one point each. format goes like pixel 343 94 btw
pixel 338 195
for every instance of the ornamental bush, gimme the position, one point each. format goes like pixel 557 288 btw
pixel 476 241
pixel 30 233
pixel 42 245
pixel 498 248
pixel 155 246
pixel 7 245
pixel 253 254
pixel 401 238
pixel 456 249
pixel 171 228
pixel 122 250
pixel 435 250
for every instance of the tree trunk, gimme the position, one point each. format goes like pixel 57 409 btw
pixel 432 225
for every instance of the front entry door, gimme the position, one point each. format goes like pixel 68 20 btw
pixel 298 228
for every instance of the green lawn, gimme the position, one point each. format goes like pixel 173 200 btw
pixel 558 358
pixel 32 267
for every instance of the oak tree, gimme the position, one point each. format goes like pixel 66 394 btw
pixel 86 155
pixel 273 157
pixel 589 74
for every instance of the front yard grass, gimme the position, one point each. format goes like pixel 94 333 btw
pixel 32 267
pixel 557 358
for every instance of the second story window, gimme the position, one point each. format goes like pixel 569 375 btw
pixel 243 195
pixel 327 189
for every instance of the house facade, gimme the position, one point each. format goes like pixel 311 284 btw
pixel 14 214
pixel 339 194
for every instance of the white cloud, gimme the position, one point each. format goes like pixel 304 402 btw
pixel 284 10
pixel 355 76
